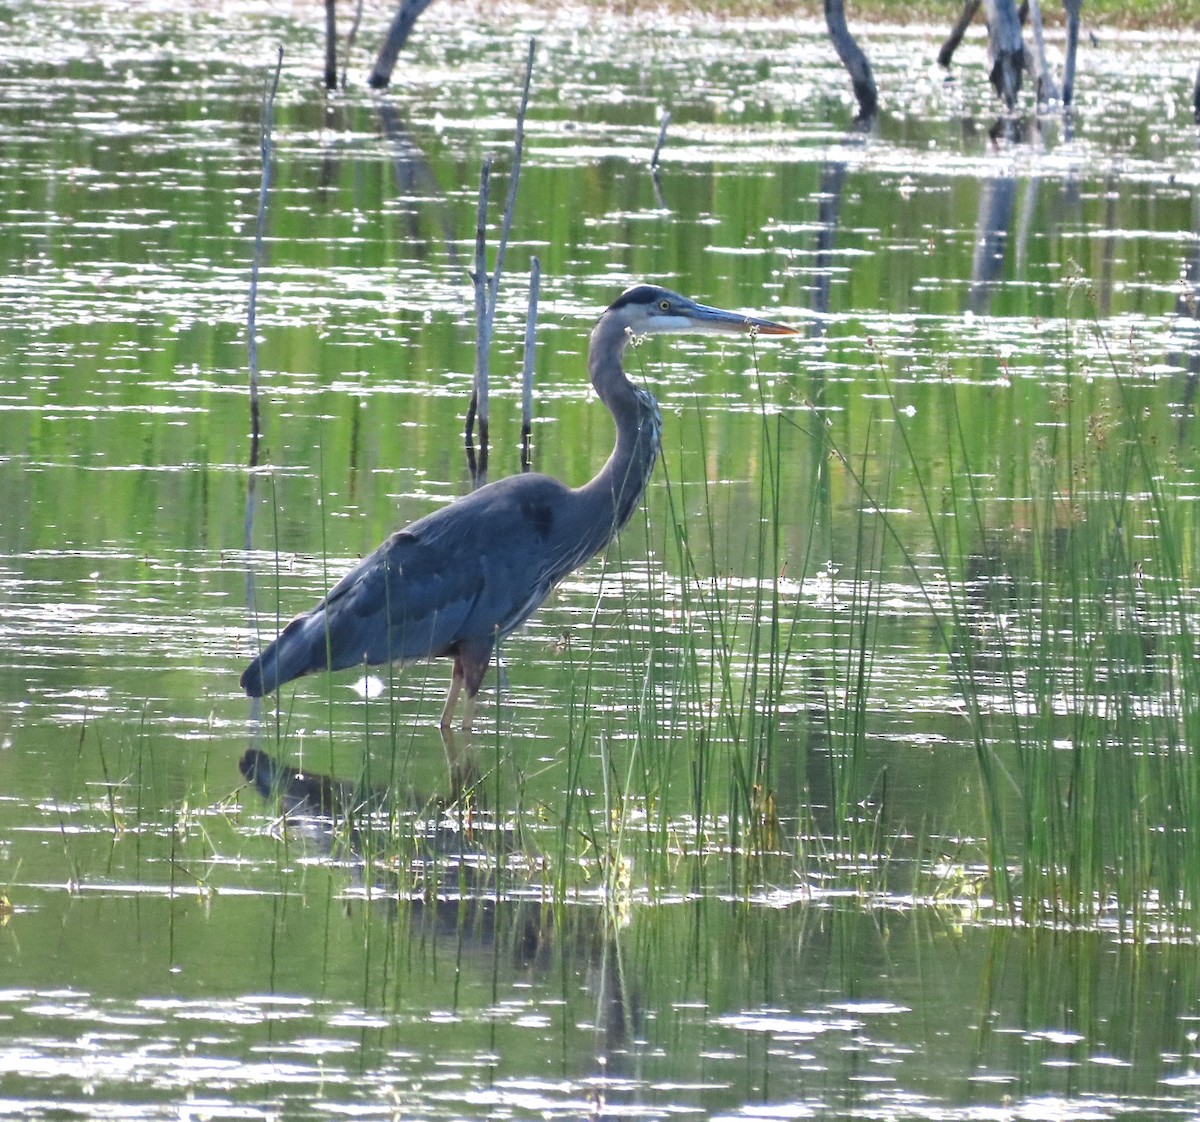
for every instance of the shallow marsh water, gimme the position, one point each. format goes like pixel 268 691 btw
pixel 696 877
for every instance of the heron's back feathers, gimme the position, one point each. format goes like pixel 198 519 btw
pixel 468 573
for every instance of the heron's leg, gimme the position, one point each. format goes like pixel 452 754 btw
pixel 474 661
pixel 456 683
pixel 463 765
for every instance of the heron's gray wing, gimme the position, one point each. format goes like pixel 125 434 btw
pixel 468 572
pixel 477 568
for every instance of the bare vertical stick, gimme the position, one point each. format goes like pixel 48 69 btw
pixel 483 325
pixel 487 288
pixel 662 137
pixel 269 90
pixel 513 182
pixel 268 106
pixel 535 279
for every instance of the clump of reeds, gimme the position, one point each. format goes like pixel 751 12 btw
pixel 1069 625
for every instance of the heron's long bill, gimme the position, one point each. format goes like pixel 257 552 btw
pixel 705 318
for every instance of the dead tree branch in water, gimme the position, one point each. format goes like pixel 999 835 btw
pixel 1047 88
pixel 331 44
pixel 1005 48
pixel 957 32
pixel 270 88
pixel 397 36
pixel 853 59
pixel 351 39
pixel 483 335
pixel 1071 7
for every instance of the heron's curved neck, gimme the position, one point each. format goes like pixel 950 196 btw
pixel 622 480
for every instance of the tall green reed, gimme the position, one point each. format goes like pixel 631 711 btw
pixel 1068 615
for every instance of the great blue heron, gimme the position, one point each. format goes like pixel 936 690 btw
pixel 460 579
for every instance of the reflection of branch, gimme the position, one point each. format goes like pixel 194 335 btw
pixel 829 196
pixel 414 176
pixel 997 201
pixel 662 136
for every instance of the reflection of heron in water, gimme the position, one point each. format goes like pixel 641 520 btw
pixel 448 886
pixel 460 579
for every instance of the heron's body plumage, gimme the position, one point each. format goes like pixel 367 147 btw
pixel 464 575
pixel 460 579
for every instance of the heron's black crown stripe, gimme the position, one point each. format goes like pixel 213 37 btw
pixel 639 294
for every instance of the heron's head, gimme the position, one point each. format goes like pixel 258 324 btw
pixel 647 309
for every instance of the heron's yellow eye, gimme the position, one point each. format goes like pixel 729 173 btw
pixel 664 305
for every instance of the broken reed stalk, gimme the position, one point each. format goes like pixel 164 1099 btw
pixel 483 334
pixel 535 279
pixel 662 137
pixel 268 105
pixel 513 182
pixel 487 288
pixel 270 88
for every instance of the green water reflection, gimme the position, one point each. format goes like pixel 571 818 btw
pixel 1003 309
pixel 310 1006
